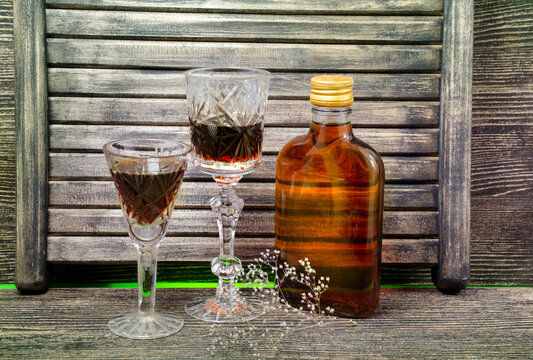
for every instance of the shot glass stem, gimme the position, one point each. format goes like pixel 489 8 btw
pixel 146 277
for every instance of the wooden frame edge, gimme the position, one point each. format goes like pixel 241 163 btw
pixel 453 272
pixel 31 102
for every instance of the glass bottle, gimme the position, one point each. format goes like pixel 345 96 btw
pixel 329 204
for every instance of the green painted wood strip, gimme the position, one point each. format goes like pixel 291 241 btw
pixel 200 221
pixel 134 285
pixel 272 6
pixel 171 271
pixel 242 27
pixel 213 285
pixel 76 166
pixel 197 194
pixel 274 57
pixel 31 146
pixel 105 249
pixel 166 83
pixel 93 137
pixel 129 111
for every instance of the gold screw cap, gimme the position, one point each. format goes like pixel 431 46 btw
pixel 331 90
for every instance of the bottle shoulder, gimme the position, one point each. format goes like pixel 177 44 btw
pixel 368 151
pixel 344 160
pixel 303 147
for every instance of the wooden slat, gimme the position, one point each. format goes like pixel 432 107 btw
pixel 272 6
pixel 197 194
pixel 93 137
pixel 167 83
pixel 31 145
pixel 126 111
pixel 110 249
pixel 74 166
pixel 252 222
pixel 231 27
pixel 274 57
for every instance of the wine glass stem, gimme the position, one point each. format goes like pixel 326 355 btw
pixel 146 276
pixel 227 207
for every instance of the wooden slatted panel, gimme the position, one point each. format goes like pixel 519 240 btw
pixel 116 74
pixel 231 27
pixel 165 83
pixel 197 194
pixel 271 6
pixel 256 222
pixel 93 137
pixel 112 249
pixel 138 111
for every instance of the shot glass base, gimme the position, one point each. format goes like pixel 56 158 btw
pixel 138 325
pixel 238 308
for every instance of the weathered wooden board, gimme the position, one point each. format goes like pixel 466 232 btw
pixel 138 111
pixel 453 272
pixel 502 251
pixel 385 141
pixel 197 194
pixel 502 142
pixel 110 249
pixel 171 83
pixel 504 163
pixel 274 57
pixel 7 184
pixel 273 6
pixel 239 27
pixel 409 324
pixel 180 55
pixel 76 166
pixel 7 144
pixel 6 58
pixel 201 221
pixel 31 99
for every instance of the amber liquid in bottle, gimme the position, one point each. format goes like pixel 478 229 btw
pixel 329 206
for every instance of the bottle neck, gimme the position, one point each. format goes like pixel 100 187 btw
pixel 331 115
pixel 331 123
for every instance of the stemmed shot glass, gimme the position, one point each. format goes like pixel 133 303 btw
pixel 226 108
pixel 147 174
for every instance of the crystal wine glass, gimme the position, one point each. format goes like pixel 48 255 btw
pixel 147 174
pixel 226 108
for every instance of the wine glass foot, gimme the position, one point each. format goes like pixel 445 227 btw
pixel 238 308
pixel 138 325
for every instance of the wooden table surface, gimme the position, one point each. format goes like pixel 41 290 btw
pixel 410 323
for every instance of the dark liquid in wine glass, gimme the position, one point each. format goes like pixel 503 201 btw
pixel 147 197
pixel 227 143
